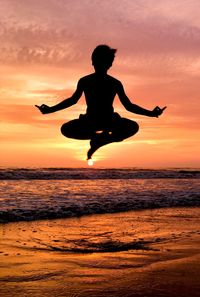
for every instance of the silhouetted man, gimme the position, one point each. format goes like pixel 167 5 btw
pixel 100 124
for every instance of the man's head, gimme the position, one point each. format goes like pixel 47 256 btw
pixel 103 57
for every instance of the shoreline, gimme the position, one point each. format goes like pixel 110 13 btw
pixel 146 253
pixel 93 173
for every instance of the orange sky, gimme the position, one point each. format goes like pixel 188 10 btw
pixel 45 48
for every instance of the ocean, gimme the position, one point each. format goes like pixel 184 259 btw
pixel 29 194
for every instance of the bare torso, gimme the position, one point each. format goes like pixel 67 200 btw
pixel 100 91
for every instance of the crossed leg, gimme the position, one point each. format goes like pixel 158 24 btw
pixel 78 129
pixel 118 130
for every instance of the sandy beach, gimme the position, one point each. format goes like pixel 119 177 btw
pixel 137 253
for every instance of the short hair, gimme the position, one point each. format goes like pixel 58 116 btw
pixel 103 54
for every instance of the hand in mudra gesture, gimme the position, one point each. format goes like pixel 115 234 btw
pixel 157 111
pixel 44 108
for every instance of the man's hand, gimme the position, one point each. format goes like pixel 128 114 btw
pixel 44 108
pixel 157 111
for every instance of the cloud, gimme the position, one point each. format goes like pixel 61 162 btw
pixel 63 33
pixel 24 114
pixel 46 46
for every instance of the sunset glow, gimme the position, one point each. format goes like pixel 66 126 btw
pixel 90 162
pixel 46 47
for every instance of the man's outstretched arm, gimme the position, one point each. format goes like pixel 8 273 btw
pixel 63 104
pixel 156 112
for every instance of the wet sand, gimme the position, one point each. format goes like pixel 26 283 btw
pixel 138 253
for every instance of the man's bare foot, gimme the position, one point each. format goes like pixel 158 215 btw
pixel 98 141
pixel 93 147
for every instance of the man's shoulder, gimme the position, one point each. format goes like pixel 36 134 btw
pixel 115 80
pixel 86 77
pixel 90 77
pixel 83 81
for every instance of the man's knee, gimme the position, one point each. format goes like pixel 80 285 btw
pixel 129 129
pixel 132 128
pixel 76 130
pixel 135 128
pixel 65 130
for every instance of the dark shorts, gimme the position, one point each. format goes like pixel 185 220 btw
pixel 85 127
pixel 105 122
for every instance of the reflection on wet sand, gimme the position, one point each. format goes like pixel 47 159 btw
pixel 140 253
